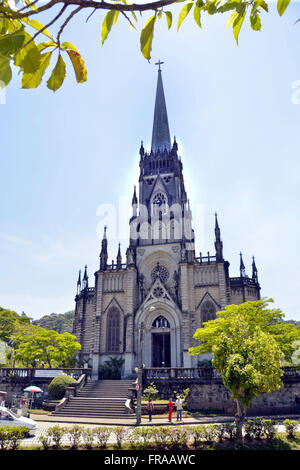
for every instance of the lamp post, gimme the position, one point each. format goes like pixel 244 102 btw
pixel 163 351
pixel 140 377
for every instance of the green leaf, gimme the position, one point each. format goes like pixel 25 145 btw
pixel 31 60
pixel 197 15
pixel 5 71
pixel 183 14
pixel 38 26
pixel 232 18
pixel 169 18
pixel 255 22
pixel 45 45
pixel 68 45
pixel 28 58
pixel 237 24
pixel 262 4
pixel 282 6
pixel 58 75
pixel 11 43
pixel 228 6
pixel 134 16
pixel 78 66
pixel 33 80
pixel 110 19
pixel 147 37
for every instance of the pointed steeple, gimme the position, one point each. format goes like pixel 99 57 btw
pixel 79 282
pixel 254 270
pixel 103 254
pixel 242 267
pixel 134 198
pixel 119 258
pixel 161 133
pixel 85 279
pixel 218 241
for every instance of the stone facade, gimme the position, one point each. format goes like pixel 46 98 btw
pixel 162 286
pixel 209 394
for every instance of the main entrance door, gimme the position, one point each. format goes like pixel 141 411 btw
pixel 161 350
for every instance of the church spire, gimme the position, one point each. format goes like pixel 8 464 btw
pixel 119 258
pixel 160 133
pixel 218 241
pixel 242 267
pixel 85 279
pixel 254 270
pixel 79 282
pixel 103 254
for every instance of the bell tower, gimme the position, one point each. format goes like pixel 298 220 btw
pixel 161 212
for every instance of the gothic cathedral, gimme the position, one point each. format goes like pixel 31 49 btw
pixel 163 287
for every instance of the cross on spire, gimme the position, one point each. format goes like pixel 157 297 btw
pixel 159 63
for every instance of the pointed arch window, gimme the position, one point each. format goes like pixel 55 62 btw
pixel 159 204
pixel 208 311
pixel 113 330
pixel 160 322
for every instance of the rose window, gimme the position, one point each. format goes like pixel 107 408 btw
pixel 160 272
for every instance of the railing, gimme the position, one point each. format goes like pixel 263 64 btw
pixel 116 267
pixel 40 373
pixel 247 281
pixel 190 373
pixel 206 259
pixel 179 373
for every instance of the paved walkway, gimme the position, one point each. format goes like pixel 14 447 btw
pixel 156 421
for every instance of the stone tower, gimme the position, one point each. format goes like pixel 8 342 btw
pixel 162 285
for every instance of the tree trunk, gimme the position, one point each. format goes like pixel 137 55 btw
pixel 239 418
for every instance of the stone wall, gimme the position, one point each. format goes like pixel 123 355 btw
pixel 210 395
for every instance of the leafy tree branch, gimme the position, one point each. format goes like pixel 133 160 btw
pixel 20 49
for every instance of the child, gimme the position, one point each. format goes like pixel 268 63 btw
pixel 150 409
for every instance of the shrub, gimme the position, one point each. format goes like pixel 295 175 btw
pixel 177 438
pixel 10 436
pixel 290 427
pixel 102 434
pixel 140 438
pixel 88 437
pixel 45 441
pixel 269 428
pixel 161 436
pixel 196 433
pixel 121 433
pixel 57 387
pixel 230 430
pixel 209 432
pixel 253 429
pixel 220 431
pixel 74 434
pixel 111 369
pixel 56 433
pixel 151 392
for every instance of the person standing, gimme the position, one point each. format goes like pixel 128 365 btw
pixel 179 408
pixel 150 409
pixel 170 409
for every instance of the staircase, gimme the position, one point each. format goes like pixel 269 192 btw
pixel 99 399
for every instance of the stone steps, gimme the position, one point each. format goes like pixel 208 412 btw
pixel 99 399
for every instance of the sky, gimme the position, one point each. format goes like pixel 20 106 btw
pixel 70 157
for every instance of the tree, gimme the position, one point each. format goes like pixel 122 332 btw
pixel 21 49
pixel 249 343
pixel 35 346
pixel 9 320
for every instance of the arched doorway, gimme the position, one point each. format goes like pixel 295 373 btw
pixel 161 342
pixel 171 330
